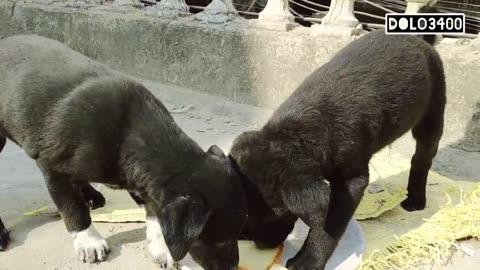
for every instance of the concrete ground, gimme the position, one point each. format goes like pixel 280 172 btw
pixel 43 243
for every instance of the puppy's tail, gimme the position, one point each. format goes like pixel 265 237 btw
pixel 430 8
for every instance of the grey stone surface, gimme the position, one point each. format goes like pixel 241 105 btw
pixel 235 60
pixel 462 66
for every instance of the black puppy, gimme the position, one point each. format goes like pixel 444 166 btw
pixel 83 122
pixel 310 161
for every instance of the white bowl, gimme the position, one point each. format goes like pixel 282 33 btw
pixel 347 255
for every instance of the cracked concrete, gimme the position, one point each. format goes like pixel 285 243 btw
pixel 13 9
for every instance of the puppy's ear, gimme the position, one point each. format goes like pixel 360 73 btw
pixel 248 148
pixel 182 221
pixel 215 150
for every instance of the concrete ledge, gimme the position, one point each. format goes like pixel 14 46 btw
pixel 236 61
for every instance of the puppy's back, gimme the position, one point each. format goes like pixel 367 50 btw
pixel 371 92
pixel 373 76
pixel 37 53
pixel 36 73
pixel 30 63
pixel 375 67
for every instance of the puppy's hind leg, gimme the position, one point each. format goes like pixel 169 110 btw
pixel 4 236
pixel 427 134
pixel 4 233
pixel 88 243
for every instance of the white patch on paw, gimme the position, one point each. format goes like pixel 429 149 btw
pixel 157 245
pixel 89 245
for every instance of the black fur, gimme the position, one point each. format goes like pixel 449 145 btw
pixel 92 197
pixel 431 39
pixel 310 161
pixel 4 233
pixel 83 122
pixel 4 236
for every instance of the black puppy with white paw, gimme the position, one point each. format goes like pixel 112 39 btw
pixel 83 122
pixel 310 161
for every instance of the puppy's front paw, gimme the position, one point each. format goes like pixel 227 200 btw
pixel 157 246
pixel 161 256
pixel 414 204
pixel 90 246
pixel 4 239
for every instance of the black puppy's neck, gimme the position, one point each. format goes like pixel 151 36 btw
pixel 155 151
pixel 251 190
pixel 145 168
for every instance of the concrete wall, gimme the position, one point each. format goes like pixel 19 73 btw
pixel 236 60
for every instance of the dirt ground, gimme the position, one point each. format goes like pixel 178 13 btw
pixel 43 243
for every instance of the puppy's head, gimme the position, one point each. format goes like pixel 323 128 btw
pixel 259 159
pixel 208 204
pixel 182 217
pixel 223 188
pixel 255 159
pixel 250 154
